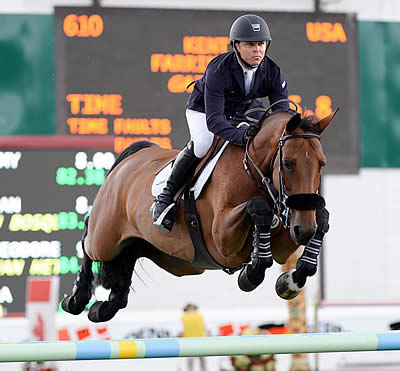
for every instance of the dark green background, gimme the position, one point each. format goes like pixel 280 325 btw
pixel 380 93
pixel 27 74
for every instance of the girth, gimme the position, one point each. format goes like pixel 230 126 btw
pixel 202 257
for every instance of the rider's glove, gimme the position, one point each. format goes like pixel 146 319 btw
pixel 250 132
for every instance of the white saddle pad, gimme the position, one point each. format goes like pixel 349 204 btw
pixel 162 176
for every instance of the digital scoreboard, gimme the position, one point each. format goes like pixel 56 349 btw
pixel 47 188
pixel 124 72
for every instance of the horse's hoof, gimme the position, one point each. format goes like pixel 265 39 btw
pixel 285 287
pixel 245 284
pixel 102 311
pixel 70 305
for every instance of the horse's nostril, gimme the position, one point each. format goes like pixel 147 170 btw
pixel 297 232
pixel 302 235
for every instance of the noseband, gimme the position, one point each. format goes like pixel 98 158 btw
pixel 282 202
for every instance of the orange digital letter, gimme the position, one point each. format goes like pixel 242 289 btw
pixel 74 100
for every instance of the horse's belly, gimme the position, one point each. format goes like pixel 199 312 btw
pixel 101 248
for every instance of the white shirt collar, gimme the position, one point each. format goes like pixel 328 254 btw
pixel 246 69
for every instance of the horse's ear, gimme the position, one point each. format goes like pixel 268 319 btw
pixel 293 123
pixel 322 124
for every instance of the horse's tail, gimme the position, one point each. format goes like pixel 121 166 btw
pixel 130 150
pixel 117 273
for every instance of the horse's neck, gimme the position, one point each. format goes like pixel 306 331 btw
pixel 262 149
pixel 234 184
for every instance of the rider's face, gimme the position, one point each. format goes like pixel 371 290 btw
pixel 252 52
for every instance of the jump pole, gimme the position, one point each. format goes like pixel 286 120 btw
pixel 195 347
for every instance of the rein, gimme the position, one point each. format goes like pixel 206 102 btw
pixel 279 197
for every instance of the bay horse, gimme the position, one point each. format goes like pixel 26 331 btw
pixel 259 205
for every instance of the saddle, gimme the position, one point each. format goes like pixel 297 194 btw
pixel 200 176
pixel 189 193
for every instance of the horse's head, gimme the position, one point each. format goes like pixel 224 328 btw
pixel 297 173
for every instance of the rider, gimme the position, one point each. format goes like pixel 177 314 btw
pixel 231 85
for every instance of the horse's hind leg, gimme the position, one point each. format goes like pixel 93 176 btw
pixel 289 284
pixel 82 290
pixel 117 276
pixel 252 275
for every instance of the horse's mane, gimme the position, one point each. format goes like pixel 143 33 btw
pixel 306 121
pixel 130 150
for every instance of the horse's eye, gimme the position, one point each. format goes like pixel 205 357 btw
pixel 288 164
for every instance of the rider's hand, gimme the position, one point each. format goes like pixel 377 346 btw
pixel 250 132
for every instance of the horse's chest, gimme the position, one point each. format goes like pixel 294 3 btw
pixel 281 243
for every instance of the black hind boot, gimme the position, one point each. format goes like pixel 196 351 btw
pixel 103 311
pixel 82 291
pixel 117 276
pixel 164 209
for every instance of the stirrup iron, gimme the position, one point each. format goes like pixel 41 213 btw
pixel 160 219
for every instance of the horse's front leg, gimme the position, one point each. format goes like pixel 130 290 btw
pixel 289 284
pixel 252 275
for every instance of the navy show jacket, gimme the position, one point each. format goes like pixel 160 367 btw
pixel 220 94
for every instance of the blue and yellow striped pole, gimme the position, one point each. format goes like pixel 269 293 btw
pixel 194 347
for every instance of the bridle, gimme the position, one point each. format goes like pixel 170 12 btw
pixel 282 202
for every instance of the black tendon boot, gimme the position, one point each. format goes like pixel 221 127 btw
pixel 163 209
pixel 308 263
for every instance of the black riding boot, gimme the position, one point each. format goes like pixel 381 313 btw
pixel 164 209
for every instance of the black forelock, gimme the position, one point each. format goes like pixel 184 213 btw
pixel 306 121
pixel 306 124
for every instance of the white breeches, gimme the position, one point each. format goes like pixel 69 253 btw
pixel 200 135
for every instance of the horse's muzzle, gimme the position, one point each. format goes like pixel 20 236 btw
pixel 305 201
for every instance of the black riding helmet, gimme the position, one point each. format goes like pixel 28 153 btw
pixel 249 27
